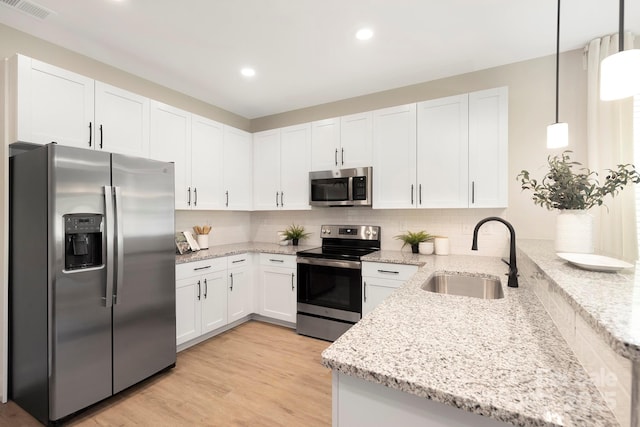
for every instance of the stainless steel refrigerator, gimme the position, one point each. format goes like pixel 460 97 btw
pixel 92 268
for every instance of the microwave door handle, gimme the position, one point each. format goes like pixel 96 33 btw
pixel 350 189
pixel 109 220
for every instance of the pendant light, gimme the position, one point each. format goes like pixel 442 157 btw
pixel 557 133
pixel 620 72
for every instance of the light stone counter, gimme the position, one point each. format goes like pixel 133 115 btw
pixel 240 248
pixel 503 358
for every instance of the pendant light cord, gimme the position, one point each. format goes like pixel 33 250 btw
pixel 558 62
pixel 621 27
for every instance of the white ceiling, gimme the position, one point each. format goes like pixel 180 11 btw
pixel 304 51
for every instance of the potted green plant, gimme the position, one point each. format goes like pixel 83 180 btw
pixel 573 192
pixel 414 238
pixel 295 233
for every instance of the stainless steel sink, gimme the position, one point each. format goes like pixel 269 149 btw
pixel 487 287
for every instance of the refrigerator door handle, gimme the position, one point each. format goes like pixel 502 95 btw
pixel 119 244
pixel 108 205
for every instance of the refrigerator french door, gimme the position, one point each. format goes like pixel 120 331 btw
pixel 92 267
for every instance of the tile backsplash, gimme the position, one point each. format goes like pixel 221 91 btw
pixel 263 226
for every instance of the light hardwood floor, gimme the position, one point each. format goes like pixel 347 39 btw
pixel 254 375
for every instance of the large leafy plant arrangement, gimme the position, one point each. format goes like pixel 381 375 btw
pixel 565 188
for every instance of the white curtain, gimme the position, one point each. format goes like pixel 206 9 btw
pixel 609 143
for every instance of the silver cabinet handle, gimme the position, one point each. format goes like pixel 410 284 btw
pixel 282 199
pixel 412 194
pixel 202 268
pixel 109 219
pixel 195 196
pixel 335 157
pixel 277 199
pixel 101 137
pixel 206 288
pixel 275 260
pixel 292 286
pixel 231 276
pixel 198 290
pixel 365 291
pixel 388 271
pixel 420 194
pixel 238 260
pixel 342 156
pixel 90 134
pixel 227 202
pixel 189 196
pixel 473 191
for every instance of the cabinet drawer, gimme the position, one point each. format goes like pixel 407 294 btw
pixel 388 271
pixel 240 260
pixel 197 268
pixel 278 260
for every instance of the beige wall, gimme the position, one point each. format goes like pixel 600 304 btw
pixel 531 108
pixel 13 41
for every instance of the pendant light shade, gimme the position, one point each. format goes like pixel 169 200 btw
pixel 620 72
pixel 557 133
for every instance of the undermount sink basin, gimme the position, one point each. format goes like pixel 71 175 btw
pixel 485 287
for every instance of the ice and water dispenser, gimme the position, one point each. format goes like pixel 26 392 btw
pixel 83 241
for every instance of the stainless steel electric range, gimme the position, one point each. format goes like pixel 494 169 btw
pixel 330 280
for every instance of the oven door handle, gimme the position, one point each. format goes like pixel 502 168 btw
pixel 355 265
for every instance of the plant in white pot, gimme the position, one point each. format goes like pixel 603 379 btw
pixel 573 192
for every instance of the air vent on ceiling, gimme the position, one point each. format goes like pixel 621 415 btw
pixel 28 7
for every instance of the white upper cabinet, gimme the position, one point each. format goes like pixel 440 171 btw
pixel 207 164
pixel 121 121
pixel 342 142
pixel 282 160
pixel 488 148
pixel 394 157
pixel 442 153
pixel 238 169
pixel 170 135
pixel 49 104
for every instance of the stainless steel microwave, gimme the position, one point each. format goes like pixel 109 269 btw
pixel 341 187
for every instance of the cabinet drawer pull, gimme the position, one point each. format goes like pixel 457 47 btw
pixel 238 260
pixel 365 291
pixel 388 271
pixel 202 268
pixel 276 260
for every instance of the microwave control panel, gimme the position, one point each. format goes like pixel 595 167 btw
pixel 359 188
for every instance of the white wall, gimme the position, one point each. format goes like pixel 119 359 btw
pixel 228 226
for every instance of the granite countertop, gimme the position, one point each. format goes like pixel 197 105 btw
pixel 240 248
pixel 609 302
pixel 501 358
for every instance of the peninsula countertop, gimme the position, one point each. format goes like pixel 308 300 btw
pixel 500 358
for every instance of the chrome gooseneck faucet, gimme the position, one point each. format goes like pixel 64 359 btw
pixel 513 269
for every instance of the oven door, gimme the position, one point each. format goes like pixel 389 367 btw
pixel 330 288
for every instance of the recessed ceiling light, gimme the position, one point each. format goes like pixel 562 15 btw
pixel 364 34
pixel 248 72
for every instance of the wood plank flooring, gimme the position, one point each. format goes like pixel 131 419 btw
pixel 257 374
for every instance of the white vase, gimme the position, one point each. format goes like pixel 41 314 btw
pixel 426 248
pixel 574 231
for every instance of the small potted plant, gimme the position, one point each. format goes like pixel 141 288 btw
pixel 295 233
pixel 573 192
pixel 414 239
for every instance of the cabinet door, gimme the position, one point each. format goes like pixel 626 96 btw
pixel 170 141
pixel 50 104
pixel 188 309
pixel 325 144
pixel 295 164
pixel 238 167
pixel 122 121
pixel 375 290
pixel 214 301
pixel 356 140
pixel 443 153
pixel 238 295
pixel 278 293
pixel 488 148
pixel 266 170
pixel 207 163
pixel 394 157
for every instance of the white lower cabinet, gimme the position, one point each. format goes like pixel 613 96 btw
pixel 238 287
pixel 277 287
pixel 211 294
pixel 379 280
